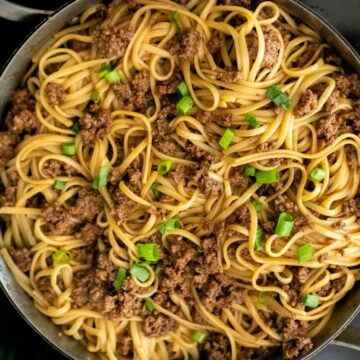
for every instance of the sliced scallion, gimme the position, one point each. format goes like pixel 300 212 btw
pixel 174 18
pixel 119 278
pixel 305 253
pixel 250 171
pixel 164 167
pixel 169 225
pixel 259 239
pixel 95 96
pixel 140 272
pixel 149 251
pixel 278 97
pixel 284 225
pixel 198 336
pixel 317 175
pixel 101 179
pixel 104 70
pixel 267 177
pixel 76 127
pixel 113 76
pixel 182 89
pixel 61 256
pixel 156 192
pixel 252 121
pixel 185 104
pixel 226 138
pixel 257 205
pixel 149 305
pixel 59 185
pixel 69 149
pixel 310 300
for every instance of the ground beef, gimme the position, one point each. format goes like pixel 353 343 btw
pixel 22 258
pixel 332 100
pixel 307 103
pixel 90 232
pixel 272 47
pixel 54 168
pixel 295 339
pixel 215 44
pixel 55 94
pixel 339 283
pixel 57 220
pixel 243 3
pixel 330 127
pixel 181 173
pixel 243 215
pixel 8 142
pixel 231 76
pixel 111 41
pixel 158 325
pixel 237 179
pixel 301 274
pixel 185 44
pixel 8 197
pixel 267 146
pixel 283 203
pixel 88 205
pixel 168 87
pixel 219 117
pixel 137 95
pixel 348 85
pixel 207 185
pixel 95 124
pixel 302 223
pixel 351 207
pixel 121 208
pixel 217 347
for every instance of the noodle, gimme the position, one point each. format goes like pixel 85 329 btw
pixel 97 159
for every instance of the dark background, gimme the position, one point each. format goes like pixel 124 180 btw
pixel 17 340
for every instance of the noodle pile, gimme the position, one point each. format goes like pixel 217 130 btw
pixel 220 208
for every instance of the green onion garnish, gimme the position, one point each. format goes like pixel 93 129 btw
pixel 317 174
pixel 284 225
pixel 257 205
pixel 267 177
pixel 278 97
pixel 158 269
pixel 164 167
pixel 69 149
pixel 149 305
pixel 174 18
pixel 95 96
pixel 259 239
pixel 76 127
pixel 185 104
pixel 310 300
pixel 59 185
pixel 113 76
pixel 104 70
pixel 252 121
pixel 148 251
pixel 250 171
pixel 156 192
pixel 263 298
pixel 119 279
pixel 182 89
pixel 140 272
pixel 305 252
pixel 226 138
pixel 101 179
pixel 61 257
pixel 198 336
pixel 169 225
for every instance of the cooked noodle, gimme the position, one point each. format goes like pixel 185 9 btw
pixel 259 291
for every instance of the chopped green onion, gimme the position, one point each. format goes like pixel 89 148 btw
pixel 305 253
pixel 119 279
pixel 185 104
pixel 284 225
pixel 169 225
pixel 101 179
pixel 317 174
pixel 104 70
pixel 198 336
pixel 257 205
pixel 310 300
pixel 164 167
pixel 250 171
pixel 156 192
pixel 267 177
pixel 59 185
pixel 182 89
pixel 76 127
pixel 148 251
pixel 61 257
pixel 259 239
pixel 158 269
pixel 174 18
pixel 140 272
pixel 263 298
pixel 226 138
pixel 252 121
pixel 113 76
pixel 149 305
pixel 278 97
pixel 69 149
pixel 95 96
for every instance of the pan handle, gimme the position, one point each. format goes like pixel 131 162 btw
pixel 349 338
pixel 15 12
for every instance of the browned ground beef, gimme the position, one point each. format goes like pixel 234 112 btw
pixel 55 94
pixel 110 41
pixel 54 168
pixel 215 44
pixel 185 44
pixel 307 102
pixel 230 76
pixel 330 127
pixel 95 124
pixel 22 258
pixel 8 196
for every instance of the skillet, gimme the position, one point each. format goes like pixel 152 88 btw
pixel 337 331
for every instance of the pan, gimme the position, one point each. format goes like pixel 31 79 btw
pixel 337 331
